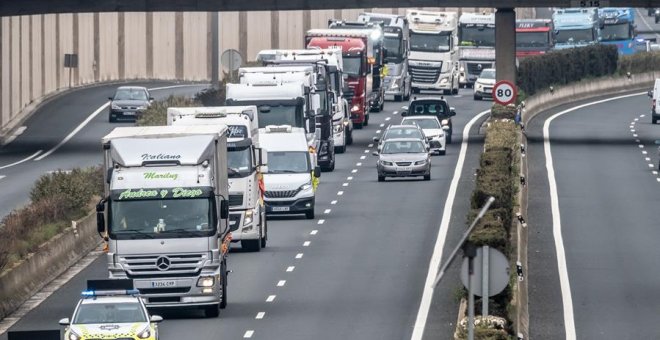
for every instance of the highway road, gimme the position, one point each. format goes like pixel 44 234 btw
pixel 357 271
pixel 39 148
pixel 604 174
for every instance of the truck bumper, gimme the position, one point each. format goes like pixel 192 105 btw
pixel 184 293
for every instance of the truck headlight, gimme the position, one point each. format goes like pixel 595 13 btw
pixel 206 281
pixel 248 217
pixel 338 128
pixel 444 80
pixel 146 333
pixel 355 108
pixel 461 69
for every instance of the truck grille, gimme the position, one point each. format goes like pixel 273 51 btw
pixel 473 68
pixel 235 200
pixel 163 265
pixel 281 193
pixel 421 74
pixel 234 221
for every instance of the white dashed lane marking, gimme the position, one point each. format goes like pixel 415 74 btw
pixel 382 125
pixel 363 157
pixel 339 193
pixel 648 159
pixel 370 145
pixel 281 283
pixel 314 232
pixel 333 202
pixel 248 334
pixel 327 211
pixel 307 243
pixel 349 178
pixel 354 171
pixel 377 131
pixel 299 255
pixel 321 221
pixel 260 315
pixel 358 164
pixel 388 118
pixel 345 185
pixel 270 298
pixel 644 152
pixel 290 269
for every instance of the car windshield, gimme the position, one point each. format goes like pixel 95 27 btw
pixel 532 39
pixel 288 162
pixel 156 218
pixel 427 108
pixel 280 115
pixel 95 313
pixel 429 42
pixel 424 123
pixel 352 66
pixel 487 74
pixel 575 36
pixel 393 147
pixel 239 162
pixel 477 36
pixel 616 32
pixel 403 133
pixel 130 94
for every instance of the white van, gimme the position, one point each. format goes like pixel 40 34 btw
pixel 655 103
pixel 292 171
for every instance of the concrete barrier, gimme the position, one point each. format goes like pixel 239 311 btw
pixel 587 89
pixel 53 258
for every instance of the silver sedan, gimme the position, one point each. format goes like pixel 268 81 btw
pixel 403 157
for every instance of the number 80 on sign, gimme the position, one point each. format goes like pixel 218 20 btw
pixel 504 92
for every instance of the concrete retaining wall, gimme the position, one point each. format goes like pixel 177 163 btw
pixel 54 257
pixel 124 46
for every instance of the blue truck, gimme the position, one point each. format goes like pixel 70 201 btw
pixel 618 28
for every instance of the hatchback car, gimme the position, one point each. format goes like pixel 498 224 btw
pixel 403 157
pixel 401 131
pixel 129 102
pixel 433 131
pixel 483 86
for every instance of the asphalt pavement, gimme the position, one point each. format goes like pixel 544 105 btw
pixel 605 166
pixel 357 271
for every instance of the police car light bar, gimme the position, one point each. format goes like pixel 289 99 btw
pixel 98 285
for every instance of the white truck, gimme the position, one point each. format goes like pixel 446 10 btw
pixel 476 33
pixel 292 174
pixel 164 213
pixel 245 164
pixel 433 45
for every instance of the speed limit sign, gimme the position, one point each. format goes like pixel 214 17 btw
pixel 504 92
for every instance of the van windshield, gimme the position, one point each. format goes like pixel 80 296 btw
pixel 281 115
pixel 282 162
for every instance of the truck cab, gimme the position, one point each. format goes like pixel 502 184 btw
pixel 476 33
pixel 397 82
pixel 534 37
pixel 245 164
pixel 293 175
pixel 433 55
pixel 165 211
pixel 576 27
pixel 618 29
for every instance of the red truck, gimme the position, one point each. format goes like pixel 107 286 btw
pixel 534 37
pixel 357 60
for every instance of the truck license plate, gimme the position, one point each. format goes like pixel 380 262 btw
pixel 280 208
pixel 163 284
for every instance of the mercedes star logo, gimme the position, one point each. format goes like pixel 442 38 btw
pixel 479 67
pixel 163 263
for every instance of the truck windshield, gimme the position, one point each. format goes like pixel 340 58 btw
pixel 616 32
pixel 166 218
pixel 109 313
pixel 477 36
pixel 429 42
pixel 281 115
pixel 575 36
pixel 239 162
pixel 532 39
pixel 288 162
pixel 393 44
pixel 352 65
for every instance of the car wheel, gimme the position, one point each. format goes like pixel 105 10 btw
pixel 654 121
pixel 349 140
pixel 112 118
pixel 427 177
pixel 398 98
pixel 357 126
pixel 381 178
pixel 309 214
pixel 455 91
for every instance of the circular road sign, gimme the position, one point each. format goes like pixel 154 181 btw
pixel 504 92
pixel 231 60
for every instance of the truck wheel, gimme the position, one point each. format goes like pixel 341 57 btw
pixel 654 120
pixel 251 245
pixel 211 311
pixel 427 177
pixel 398 98
pixel 309 214
pixel 366 120
pixel 349 140
pixel 264 237
pixel 223 298
pixel 454 91
pixel 341 149
pixel 446 92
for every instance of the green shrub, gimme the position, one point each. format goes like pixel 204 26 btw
pixel 639 63
pixel 75 188
pixel 156 114
pixel 502 112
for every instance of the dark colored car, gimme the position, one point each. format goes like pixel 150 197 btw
pixel 433 106
pixel 128 103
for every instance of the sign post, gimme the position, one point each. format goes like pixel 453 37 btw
pixel 505 93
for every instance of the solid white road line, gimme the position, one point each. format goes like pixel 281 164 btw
pixel 270 298
pixel 22 160
pixel 96 113
pixel 434 264
pixel 567 299
pixel 260 315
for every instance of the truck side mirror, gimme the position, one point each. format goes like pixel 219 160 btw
pixel 100 216
pixel 317 171
pixel 224 209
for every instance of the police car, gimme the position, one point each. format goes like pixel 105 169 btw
pixel 111 309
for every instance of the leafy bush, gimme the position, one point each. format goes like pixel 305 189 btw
pixel 503 112
pixel 639 63
pixel 566 66
pixel 57 199
pixel 156 114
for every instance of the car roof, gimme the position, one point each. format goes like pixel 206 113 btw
pixel 111 299
pixel 403 126
pixel 429 99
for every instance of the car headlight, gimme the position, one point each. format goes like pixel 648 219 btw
pixel 445 122
pixel 248 217
pixel 73 335
pixel 146 333
pixel 422 162
pixel 142 107
pixel 386 163
pixel 115 106
pixel 306 186
pixel 355 108
pixel 338 128
pixel 206 281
